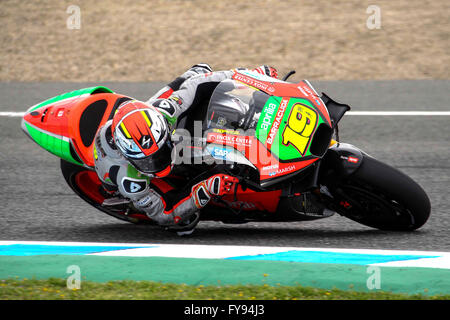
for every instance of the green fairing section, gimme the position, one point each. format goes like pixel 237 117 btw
pixel 56 146
pixel 280 150
pixel 52 143
pixel 98 89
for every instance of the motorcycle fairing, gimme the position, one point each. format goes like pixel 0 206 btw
pixel 238 107
pixel 66 125
pixel 335 109
pixel 250 200
pixel 280 88
pixel 294 123
pixel 344 158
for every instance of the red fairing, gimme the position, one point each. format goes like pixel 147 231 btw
pixel 252 200
pixel 63 119
pixel 53 118
pixel 269 167
pixel 284 89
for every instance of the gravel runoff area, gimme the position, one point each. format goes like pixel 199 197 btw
pixel 157 40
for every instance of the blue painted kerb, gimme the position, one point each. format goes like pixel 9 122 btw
pixel 331 257
pixel 34 249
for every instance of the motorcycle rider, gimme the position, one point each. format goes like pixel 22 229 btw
pixel 135 147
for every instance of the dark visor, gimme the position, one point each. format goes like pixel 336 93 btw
pixel 156 162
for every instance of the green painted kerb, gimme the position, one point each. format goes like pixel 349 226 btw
pixel 223 272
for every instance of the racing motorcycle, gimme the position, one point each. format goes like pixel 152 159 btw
pixel 279 138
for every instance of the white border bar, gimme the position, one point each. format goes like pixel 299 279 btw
pixel 350 113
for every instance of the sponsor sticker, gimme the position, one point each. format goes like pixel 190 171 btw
pixel 235 140
pixel 305 90
pixel 251 82
pixel 282 170
pixel 271 167
pixel 353 159
pixel 225 131
pixel 268 113
pixel 350 159
pixel 133 186
pixel 276 123
pixel 220 153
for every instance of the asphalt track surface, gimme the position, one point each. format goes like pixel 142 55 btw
pixel 36 203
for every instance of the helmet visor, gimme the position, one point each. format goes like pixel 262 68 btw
pixel 158 161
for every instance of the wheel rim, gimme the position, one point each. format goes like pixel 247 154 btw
pixel 372 207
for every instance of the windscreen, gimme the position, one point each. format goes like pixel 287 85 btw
pixel 234 105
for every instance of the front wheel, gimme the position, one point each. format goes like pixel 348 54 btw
pixel 86 185
pixel 381 197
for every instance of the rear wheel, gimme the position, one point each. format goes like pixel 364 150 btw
pixel 381 197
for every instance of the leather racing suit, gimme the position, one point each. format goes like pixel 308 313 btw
pixel 125 183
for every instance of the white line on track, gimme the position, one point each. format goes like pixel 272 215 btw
pixel 350 113
pixel 398 113
pixel 11 114
pixel 427 259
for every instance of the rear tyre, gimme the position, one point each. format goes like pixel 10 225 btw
pixel 381 197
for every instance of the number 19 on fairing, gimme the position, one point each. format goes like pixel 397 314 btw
pixel 301 124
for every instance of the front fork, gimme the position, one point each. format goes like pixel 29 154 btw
pixel 340 161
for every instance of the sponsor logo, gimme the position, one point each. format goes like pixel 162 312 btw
pixel 177 100
pixel 350 159
pixel 133 186
pixel 251 82
pixel 146 142
pixel 282 171
pixel 230 139
pixel 353 159
pixel 145 202
pixel 165 106
pixel 201 196
pixel 302 91
pixel 276 122
pixel 225 131
pixel 271 167
pixel 221 121
pixel 220 153
pixel 268 113
pixel 305 90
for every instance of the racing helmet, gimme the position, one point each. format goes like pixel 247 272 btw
pixel 141 134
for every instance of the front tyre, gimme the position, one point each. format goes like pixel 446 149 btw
pixel 381 197
pixel 86 185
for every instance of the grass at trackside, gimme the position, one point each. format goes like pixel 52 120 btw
pixel 55 289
